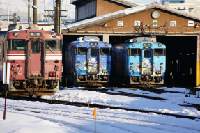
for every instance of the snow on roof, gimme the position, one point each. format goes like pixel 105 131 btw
pixel 103 18
pixel 122 13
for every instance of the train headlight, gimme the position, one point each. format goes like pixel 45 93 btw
pixel 160 44
pixel 106 44
pixel 53 34
pixel 80 43
pixel 16 34
pixel 134 45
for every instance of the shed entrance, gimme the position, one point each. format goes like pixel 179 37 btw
pixel 181 59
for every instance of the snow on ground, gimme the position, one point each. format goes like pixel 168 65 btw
pixel 31 116
pixel 166 106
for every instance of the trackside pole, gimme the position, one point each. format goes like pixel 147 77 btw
pixel 95 114
pixel 6 79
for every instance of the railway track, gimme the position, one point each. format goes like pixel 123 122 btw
pixel 79 104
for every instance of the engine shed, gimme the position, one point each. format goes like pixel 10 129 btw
pixel 178 30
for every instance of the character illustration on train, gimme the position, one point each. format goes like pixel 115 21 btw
pixel 35 59
pixel 139 61
pixel 88 62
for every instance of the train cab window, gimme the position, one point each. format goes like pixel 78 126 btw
pixel 35 47
pixel 60 44
pixel 105 51
pixel 93 52
pixel 147 53
pixel 16 44
pixel 159 52
pixel 134 52
pixel 53 45
pixel 81 51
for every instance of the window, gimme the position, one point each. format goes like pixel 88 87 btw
pixel 159 52
pixel 53 45
pixel 134 52
pixel 35 47
pixel 16 44
pixel 81 51
pixel 147 53
pixel 93 52
pixel 105 51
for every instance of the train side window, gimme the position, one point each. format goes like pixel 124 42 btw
pixel 60 44
pixel 147 53
pixel 105 51
pixel 134 52
pixel 16 44
pixel 52 45
pixel 82 50
pixel 159 52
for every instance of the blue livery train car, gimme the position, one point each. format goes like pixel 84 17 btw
pixel 88 62
pixel 139 61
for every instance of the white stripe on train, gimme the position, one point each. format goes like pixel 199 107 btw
pixel 24 57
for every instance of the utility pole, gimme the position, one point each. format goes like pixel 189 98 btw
pixel 29 13
pixel 56 17
pixel 34 11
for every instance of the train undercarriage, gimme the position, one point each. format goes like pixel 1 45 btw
pixel 146 81
pixel 88 80
pixel 36 87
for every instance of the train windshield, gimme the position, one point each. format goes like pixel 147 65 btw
pixel 147 53
pixel 53 45
pixel 81 50
pixel 35 47
pixel 105 51
pixel 14 44
pixel 134 52
pixel 159 52
pixel 94 52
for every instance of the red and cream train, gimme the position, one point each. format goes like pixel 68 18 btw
pixel 35 58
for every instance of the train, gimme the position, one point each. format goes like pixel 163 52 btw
pixel 34 58
pixel 88 62
pixel 140 61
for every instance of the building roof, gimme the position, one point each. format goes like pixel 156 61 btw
pixel 123 2
pixel 121 13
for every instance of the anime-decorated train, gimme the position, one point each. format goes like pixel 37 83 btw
pixel 35 60
pixel 139 61
pixel 88 62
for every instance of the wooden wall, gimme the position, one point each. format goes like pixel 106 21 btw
pixel 145 18
pixel 105 7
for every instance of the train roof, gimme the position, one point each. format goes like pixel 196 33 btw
pixel 87 39
pixel 141 39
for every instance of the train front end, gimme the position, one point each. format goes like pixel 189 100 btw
pixel 146 62
pixel 92 62
pixel 35 58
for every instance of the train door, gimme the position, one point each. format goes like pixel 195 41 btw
pixel 147 64
pixel 93 60
pixel 36 60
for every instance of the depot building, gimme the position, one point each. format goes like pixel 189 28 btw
pixel 115 21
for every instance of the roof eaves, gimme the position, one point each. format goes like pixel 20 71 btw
pixel 126 3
